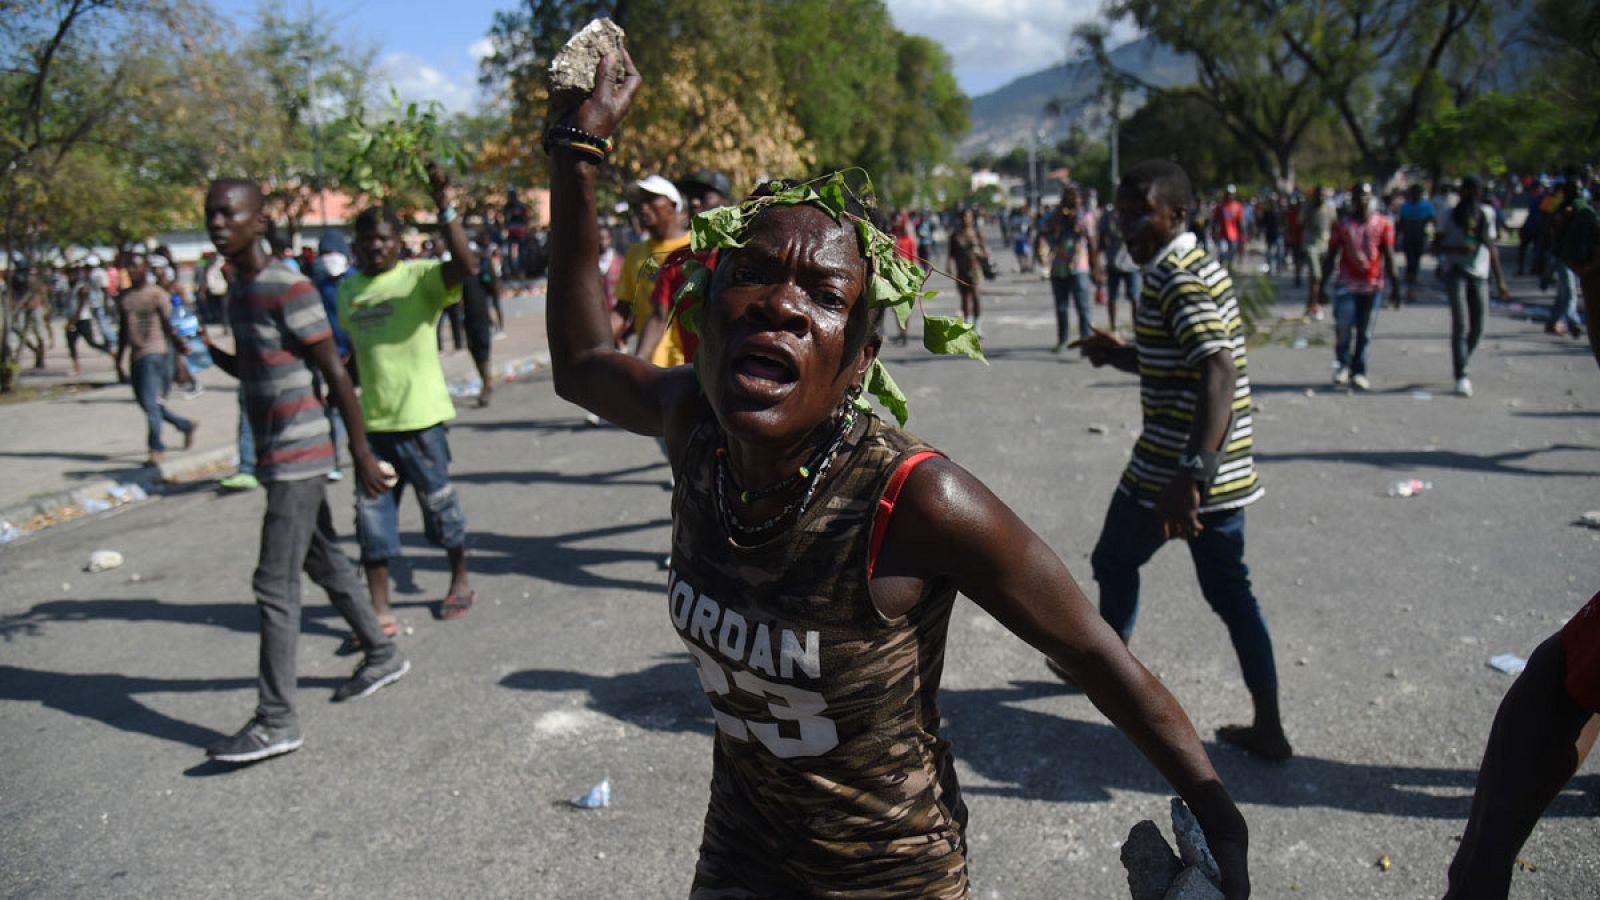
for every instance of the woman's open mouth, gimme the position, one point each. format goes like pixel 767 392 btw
pixel 764 372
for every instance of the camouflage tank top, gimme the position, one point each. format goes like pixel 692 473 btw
pixel 829 776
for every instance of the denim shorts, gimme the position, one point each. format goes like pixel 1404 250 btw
pixel 421 459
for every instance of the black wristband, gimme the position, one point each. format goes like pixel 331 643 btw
pixel 564 135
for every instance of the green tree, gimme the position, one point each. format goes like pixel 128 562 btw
pixel 316 77
pixel 103 107
pixel 1258 93
pixel 712 93
pixel 749 87
pixel 1384 65
pixel 1165 128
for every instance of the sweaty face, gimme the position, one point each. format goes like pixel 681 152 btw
pixel 1148 222
pixel 377 247
pixel 233 219
pixel 774 359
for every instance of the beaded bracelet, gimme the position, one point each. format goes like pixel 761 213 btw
pixel 596 148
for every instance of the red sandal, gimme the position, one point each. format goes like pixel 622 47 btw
pixel 455 606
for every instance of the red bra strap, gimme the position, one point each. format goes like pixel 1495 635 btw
pixel 880 523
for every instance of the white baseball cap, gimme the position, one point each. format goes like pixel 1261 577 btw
pixel 655 184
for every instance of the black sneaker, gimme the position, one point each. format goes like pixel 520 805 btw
pixel 256 741
pixel 370 677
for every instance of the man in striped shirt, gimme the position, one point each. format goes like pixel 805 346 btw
pixel 1191 474
pixel 281 334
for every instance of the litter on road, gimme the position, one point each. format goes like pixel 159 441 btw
pixel 101 560
pixel 1509 663
pixel 596 797
pixel 1409 488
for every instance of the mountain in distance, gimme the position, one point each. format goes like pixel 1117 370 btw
pixel 1003 118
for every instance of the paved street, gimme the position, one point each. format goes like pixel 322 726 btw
pixel 454 782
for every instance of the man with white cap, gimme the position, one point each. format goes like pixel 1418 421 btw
pixel 660 209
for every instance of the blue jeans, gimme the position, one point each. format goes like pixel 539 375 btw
pixel 1073 290
pixel 1354 317
pixel 420 458
pixel 1565 309
pixel 247 440
pixel 1122 282
pixel 1132 535
pixel 149 383
pixel 1225 252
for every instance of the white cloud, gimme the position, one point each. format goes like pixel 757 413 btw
pixel 481 48
pixel 993 41
pixel 415 79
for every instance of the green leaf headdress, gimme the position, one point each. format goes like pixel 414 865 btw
pixel 895 282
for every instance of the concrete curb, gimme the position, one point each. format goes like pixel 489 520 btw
pixel 47 511
pixel 189 466
pixel 181 468
pixel 45 503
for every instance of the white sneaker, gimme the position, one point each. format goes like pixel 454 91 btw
pixel 1342 377
pixel 1361 383
pixel 1463 386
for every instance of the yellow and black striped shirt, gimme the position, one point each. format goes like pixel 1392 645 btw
pixel 1187 311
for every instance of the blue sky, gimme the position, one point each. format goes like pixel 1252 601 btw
pixel 428 49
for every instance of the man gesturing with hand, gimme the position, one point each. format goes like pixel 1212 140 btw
pixel 1191 474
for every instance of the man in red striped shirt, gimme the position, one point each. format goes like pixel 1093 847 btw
pixel 282 335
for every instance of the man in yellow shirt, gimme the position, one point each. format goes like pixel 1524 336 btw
pixel 660 209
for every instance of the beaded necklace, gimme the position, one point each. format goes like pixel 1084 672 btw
pixel 810 474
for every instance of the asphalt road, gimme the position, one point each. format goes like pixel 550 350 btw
pixel 454 782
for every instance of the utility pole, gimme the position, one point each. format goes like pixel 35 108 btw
pixel 316 145
pixel 1116 126
pixel 1033 172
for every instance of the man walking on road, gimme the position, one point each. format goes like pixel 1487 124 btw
pixel 1074 264
pixel 1363 246
pixel 282 336
pixel 391 310
pixel 1317 219
pixel 1192 473
pixel 1227 225
pixel 145 332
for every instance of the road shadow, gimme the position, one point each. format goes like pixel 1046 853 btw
pixel 1559 414
pixel 52 454
pixel 112 700
pixel 139 472
pixel 241 616
pixel 553 558
pixel 557 426
pixel 665 697
pixel 1489 463
pixel 616 477
pixel 1037 755
pixel 1327 387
